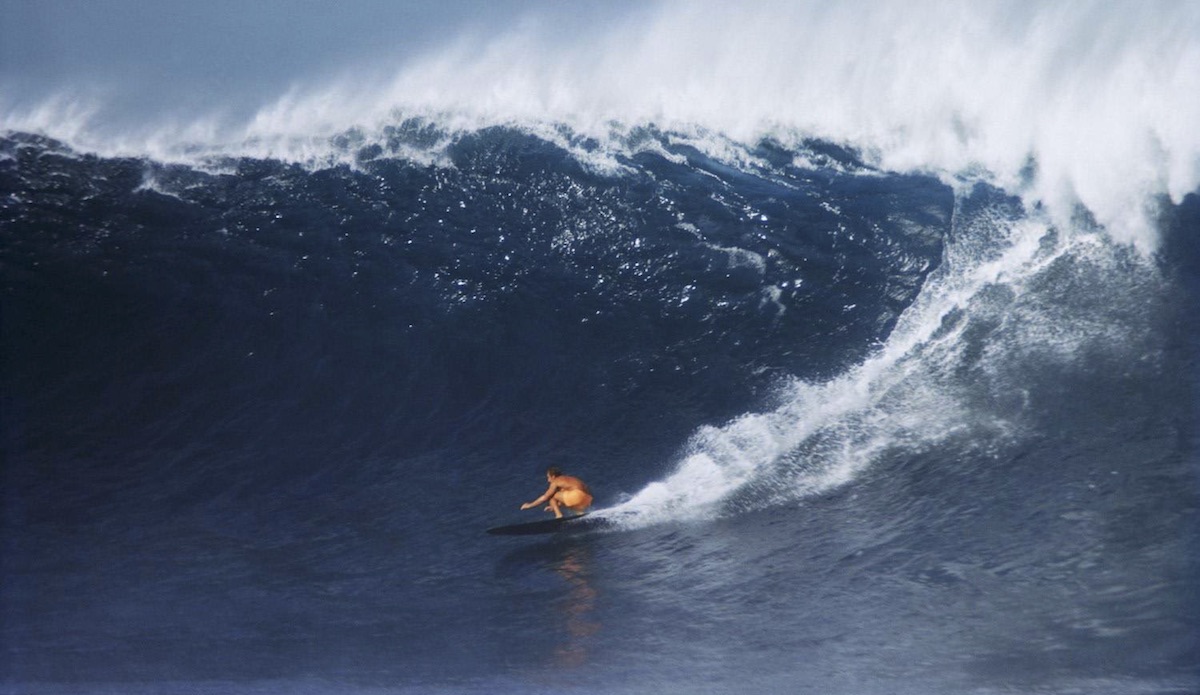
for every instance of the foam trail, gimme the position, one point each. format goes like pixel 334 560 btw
pixel 910 395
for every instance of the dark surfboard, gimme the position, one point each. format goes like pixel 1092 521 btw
pixel 568 524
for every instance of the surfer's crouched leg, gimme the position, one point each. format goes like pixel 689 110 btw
pixel 577 501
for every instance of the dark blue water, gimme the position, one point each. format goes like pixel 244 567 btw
pixel 865 433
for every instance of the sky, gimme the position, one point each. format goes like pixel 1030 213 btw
pixel 176 56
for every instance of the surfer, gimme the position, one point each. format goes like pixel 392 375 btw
pixel 564 491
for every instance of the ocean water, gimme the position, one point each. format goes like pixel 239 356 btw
pixel 885 377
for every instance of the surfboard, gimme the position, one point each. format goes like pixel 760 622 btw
pixel 567 524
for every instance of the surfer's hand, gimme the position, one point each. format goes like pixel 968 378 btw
pixel 526 505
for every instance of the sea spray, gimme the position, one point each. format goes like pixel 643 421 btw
pixel 1082 104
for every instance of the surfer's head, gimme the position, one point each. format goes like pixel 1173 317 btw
pixel 553 472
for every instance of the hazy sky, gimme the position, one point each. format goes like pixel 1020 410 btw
pixel 180 55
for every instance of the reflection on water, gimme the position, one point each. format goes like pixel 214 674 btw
pixel 576 607
pixel 563 572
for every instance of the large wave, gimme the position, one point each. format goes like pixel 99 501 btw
pixel 1079 119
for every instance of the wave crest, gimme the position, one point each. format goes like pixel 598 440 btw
pixel 1068 105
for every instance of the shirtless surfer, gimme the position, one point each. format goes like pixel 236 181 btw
pixel 564 491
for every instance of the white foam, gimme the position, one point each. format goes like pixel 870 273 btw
pixel 150 183
pixel 1103 96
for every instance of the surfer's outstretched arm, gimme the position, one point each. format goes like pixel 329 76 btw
pixel 548 494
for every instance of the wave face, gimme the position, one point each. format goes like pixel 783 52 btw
pixel 849 348
pixel 510 293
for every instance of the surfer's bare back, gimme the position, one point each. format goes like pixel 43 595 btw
pixel 564 491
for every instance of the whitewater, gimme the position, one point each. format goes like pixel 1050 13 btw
pixel 871 325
